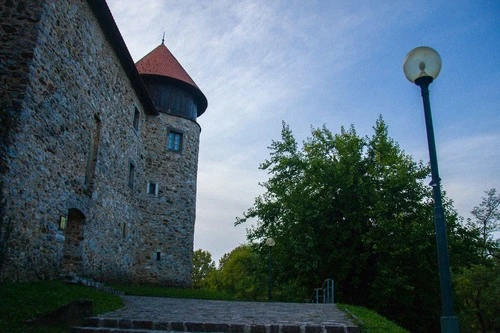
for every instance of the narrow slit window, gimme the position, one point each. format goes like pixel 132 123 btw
pixel 131 175
pixel 135 122
pixel 93 153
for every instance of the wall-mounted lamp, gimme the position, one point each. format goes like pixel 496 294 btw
pixel 63 221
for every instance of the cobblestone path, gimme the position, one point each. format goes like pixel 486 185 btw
pixel 186 315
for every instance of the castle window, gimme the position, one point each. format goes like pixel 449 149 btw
pixel 124 230
pixel 152 189
pixel 131 175
pixel 135 122
pixel 93 151
pixel 174 141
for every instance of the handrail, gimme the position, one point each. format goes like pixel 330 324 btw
pixel 325 293
pixel 328 291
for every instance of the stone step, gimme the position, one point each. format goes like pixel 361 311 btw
pixel 160 314
pixel 72 278
pixel 113 330
pixel 118 325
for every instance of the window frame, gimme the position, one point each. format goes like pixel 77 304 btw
pixel 148 189
pixel 175 146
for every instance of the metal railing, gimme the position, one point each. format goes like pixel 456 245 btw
pixel 325 294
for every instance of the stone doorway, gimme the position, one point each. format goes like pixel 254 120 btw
pixel 72 261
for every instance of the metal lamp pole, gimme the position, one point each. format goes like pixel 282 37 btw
pixel 422 65
pixel 270 243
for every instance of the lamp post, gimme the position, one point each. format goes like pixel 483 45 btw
pixel 421 66
pixel 270 243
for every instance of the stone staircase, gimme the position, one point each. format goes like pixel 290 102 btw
pixel 122 326
pixel 94 325
pixel 160 315
pixel 75 279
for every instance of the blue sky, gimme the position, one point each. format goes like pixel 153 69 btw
pixel 337 63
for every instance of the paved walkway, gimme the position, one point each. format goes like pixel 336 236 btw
pixel 186 315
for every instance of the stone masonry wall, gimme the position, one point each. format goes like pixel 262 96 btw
pixel 75 86
pixel 68 143
pixel 18 39
pixel 172 213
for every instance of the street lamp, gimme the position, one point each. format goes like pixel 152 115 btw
pixel 421 66
pixel 270 243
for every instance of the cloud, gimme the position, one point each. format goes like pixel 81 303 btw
pixel 319 62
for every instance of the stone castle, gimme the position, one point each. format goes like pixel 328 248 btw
pixel 98 155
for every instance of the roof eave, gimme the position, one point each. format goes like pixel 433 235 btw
pixel 201 99
pixel 107 23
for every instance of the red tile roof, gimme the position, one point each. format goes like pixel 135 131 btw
pixel 161 62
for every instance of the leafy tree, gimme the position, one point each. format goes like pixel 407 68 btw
pixel 478 287
pixel 487 220
pixel 355 209
pixel 203 266
pixel 478 297
pixel 240 275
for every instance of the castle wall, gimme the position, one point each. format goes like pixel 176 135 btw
pixel 172 212
pixel 76 93
pixel 18 39
pixel 69 201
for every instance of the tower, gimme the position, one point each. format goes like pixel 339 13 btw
pixel 172 142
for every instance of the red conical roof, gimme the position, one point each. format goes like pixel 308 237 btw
pixel 161 62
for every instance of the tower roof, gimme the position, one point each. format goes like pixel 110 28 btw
pixel 161 62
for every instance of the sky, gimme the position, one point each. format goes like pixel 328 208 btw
pixel 311 63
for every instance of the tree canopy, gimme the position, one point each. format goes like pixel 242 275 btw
pixel 486 218
pixel 203 266
pixel 478 287
pixel 356 209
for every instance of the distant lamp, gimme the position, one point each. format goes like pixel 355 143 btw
pixel 421 66
pixel 270 242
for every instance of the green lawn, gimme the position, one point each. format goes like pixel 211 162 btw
pixel 157 291
pixel 24 301
pixel 369 321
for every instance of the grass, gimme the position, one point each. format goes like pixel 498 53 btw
pixel 158 291
pixel 370 321
pixel 25 301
